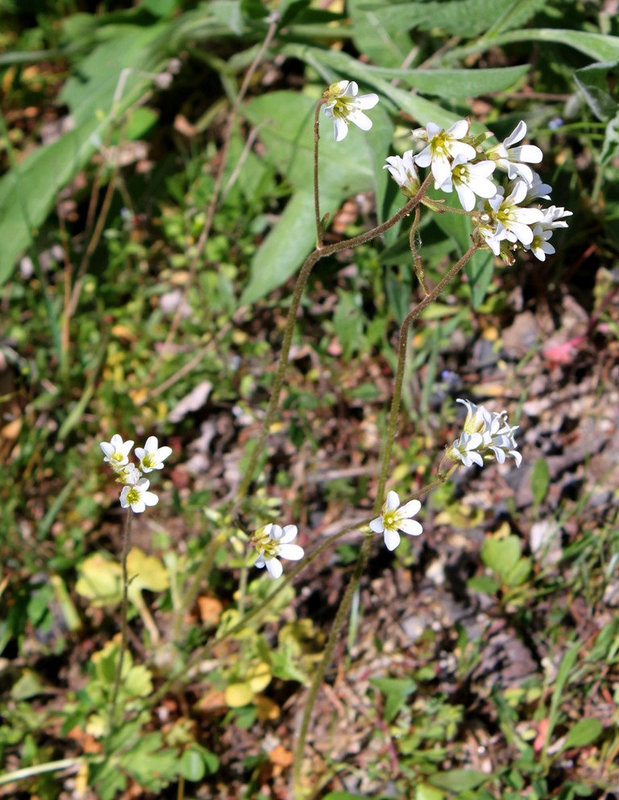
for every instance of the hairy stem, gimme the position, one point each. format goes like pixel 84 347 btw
pixel 299 288
pixel 123 618
pixel 344 606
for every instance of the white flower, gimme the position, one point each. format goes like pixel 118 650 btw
pixel 343 105
pixel 395 518
pixel 553 217
pixel 116 451
pixel 138 497
pixel 484 432
pixel 511 159
pixel 273 542
pixel 404 172
pixel 540 246
pixel 466 449
pixel 470 180
pixel 151 455
pixel 514 222
pixel 128 474
pixel 443 147
pixel 537 189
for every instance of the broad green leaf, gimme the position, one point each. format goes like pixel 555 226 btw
pixel 595 82
pixel 425 792
pixel 343 796
pixel 540 480
pixel 583 733
pixel 192 766
pixel 458 780
pixel 388 45
pixel 465 18
pixel 501 555
pixel 518 574
pixel 595 45
pixel 479 272
pixel 610 151
pixel 484 584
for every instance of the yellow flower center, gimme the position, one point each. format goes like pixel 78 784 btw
pixel 148 461
pixel 133 496
pixel 264 544
pixel 390 520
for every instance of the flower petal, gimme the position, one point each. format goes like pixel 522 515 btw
pixel 274 567
pixel 392 502
pixel 410 509
pixel 411 527
pixel 392 539
pixel 376 525
pixel 291 552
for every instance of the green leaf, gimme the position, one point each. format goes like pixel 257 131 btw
pixel 396 690
pixel 479 271
pixel 383 44
pixel 583 733
pixel 484 584
pixel 596 85
pixel 501 555
pixel 343 796
pixel 459 780
pixel 425 792
pixel 540 480
pixel 192 766
pixel 596 45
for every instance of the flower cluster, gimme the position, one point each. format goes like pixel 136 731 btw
pixel 505 216
pixel 273 542
pixel 135 493
pixel 486 434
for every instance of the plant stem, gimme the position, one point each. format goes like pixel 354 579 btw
pixel 299 288
pixel 123 617
pixel 316 190
pixel 365 550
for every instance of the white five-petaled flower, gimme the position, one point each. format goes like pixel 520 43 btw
pixel 484 433
pixel 345 105
pixel 397 518
pixel 137 497
pixel 443 147
pixel 553 217
pixel 151 455
pixel 116 451
pixel 404 172
pixel 540 246
pixel 542 231
pixel 469 180
pixel 273 542
pixel 513 222
pixel 514 160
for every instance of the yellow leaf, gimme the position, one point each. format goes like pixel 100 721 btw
pixel 259 676
pixel 238 694
pixel 100 580
pixel 146 572
pixel 266 709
